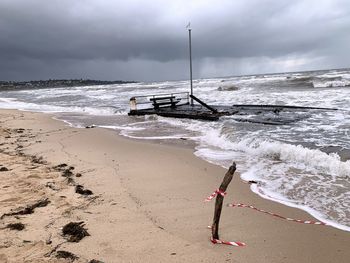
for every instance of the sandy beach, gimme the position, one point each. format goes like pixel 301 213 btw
pixel 137 201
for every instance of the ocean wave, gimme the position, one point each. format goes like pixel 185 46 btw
pixel 13 103
pixel 306 178
pixel 300 78
pixel 300 175
pixel 331 83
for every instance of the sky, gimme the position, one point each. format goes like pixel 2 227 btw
pixel 147 40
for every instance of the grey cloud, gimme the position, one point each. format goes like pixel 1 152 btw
pixel 134 39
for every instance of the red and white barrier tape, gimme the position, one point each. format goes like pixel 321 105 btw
pixel 279 216
pixel 241 244
pixel 218 241
pixel 214 194
pixel 230 243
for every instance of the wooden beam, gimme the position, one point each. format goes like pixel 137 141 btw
pixel 219 200
pixel 204 104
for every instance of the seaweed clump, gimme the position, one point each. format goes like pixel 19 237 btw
pixel 15 226
pixel 28 209
pixel 75 231
pixel 79 189
pixel 3 169
pixel 66 255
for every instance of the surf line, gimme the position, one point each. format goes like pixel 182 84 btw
pixel 270 213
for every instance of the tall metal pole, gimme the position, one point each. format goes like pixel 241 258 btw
pixel 190 45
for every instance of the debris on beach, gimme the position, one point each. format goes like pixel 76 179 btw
pixel 28 209
pixel 20 130
pixel 52 185
pixel 3 169
pixel 90 127
pixel 15 226
pixel 60 166
pixel 252 182
pixel 75 231
pixel 38 159
pixel 95 261
pixel 78 175
pixel 79 189
pixel 65 169
pixel 67 173
pixel 70 181
pixel 66 255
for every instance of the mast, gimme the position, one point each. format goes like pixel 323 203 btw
pixel 190 48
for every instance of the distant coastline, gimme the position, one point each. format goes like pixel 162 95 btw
pixel 56 83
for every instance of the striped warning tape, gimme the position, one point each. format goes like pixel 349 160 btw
pixel 218 241
pixel 230 243
pixel 273 214
pixel 241 244
pixel 276 215
pixel 214 194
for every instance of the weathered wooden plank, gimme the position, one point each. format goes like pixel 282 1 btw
pixel 219 200
pixel 204 104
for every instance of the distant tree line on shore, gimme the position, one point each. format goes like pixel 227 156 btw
pixel 56 83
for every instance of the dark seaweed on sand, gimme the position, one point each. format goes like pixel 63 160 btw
pixel 75 231
pixel 38 160
pixel 70 181
pixel 28 209
pixel 3 169
pixel 66 255
pixel 15 226
pixel 63 167
pixel 80 190
pixel 67 173
pixel 60 166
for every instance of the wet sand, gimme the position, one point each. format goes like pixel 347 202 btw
pixel 146 203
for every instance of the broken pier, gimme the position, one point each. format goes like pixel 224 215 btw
pixel 177 105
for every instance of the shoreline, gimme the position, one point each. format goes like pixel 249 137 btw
pixel 148 202
pixel 191 144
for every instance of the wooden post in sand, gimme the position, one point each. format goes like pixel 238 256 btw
pixel 219 200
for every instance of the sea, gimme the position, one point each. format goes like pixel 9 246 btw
pixel 303 164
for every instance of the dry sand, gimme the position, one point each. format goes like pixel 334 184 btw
pixel 147 203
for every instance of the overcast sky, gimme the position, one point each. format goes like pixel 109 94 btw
pixel 147 39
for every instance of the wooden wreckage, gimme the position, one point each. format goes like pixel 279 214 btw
pixel 181 105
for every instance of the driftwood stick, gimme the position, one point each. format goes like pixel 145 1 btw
pixel 219 200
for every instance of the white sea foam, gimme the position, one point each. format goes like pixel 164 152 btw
pixel 124 128
pixel 291 174
pixel 12 103
pixel 281 199
pixel 278 157
pixel 331 83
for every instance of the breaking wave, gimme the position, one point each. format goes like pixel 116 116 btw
pixel 304 165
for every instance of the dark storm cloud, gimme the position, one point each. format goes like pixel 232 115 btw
pixel 134 39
